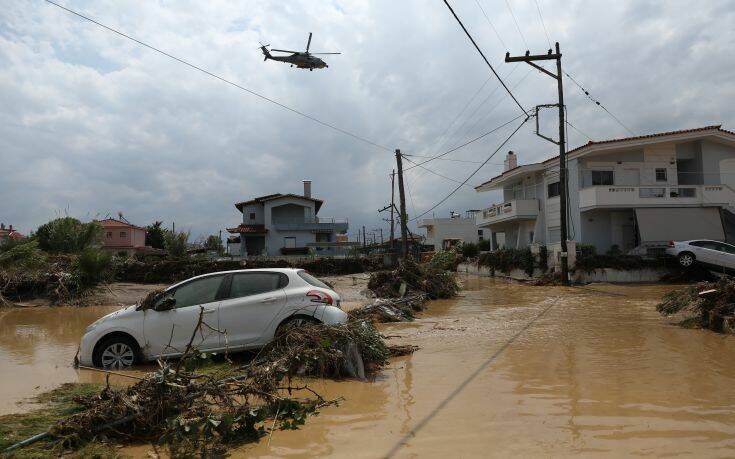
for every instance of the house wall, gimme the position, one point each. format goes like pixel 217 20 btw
pixel 111 236
pixel 138 237
pixel 287 207
pixel 289 213
pixel 258 210
pixel 463 229
pixel 718 164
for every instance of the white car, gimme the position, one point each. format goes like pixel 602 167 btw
pixel 240 309
pixel 713 254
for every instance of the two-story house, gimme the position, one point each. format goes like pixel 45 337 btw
pixel 120 236
pixel 635 192
pixel 444 233
pixel 284 224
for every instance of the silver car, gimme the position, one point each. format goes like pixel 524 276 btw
pixel 712 254
pixel 240 310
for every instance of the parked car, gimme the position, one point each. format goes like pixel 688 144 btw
pixel 241 310
pixel 713 254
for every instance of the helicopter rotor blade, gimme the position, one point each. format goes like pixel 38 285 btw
pixel 262 45
pixel 308 43
pixel 284 51
pixel 325 53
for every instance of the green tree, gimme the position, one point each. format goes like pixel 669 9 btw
pixel 154 235
pixel 175 244
pixel 68 235
pixel 214 243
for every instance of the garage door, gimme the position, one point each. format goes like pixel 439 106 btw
pixel 679 224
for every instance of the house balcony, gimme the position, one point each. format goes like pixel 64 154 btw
pixel 315 225
pixel 519 209
pixel 655 196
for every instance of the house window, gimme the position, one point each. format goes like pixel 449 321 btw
pixel 123 234
pixel 289 242
pixel 252 215
pixel 109 234
pixel 602 177
pixel 553 189
pixel 661 175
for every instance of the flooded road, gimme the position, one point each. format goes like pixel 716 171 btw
pixel 596 373
pixel 504 370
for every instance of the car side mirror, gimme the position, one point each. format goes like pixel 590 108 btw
pixel 166 304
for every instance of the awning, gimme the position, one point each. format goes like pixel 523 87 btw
pixel 679 224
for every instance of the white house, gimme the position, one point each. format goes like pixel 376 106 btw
pixel 285 224
pixel 443 233
pixel 633 193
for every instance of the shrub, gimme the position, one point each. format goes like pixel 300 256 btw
pixel 614 251
pixel 621 262
pixel 506 260
pixel 68 235
pixel 175 244
pixel 92 266
pixel 26 256
pixel 470 250
pixel 154 235
pixel 543 258
pixel 446 260
pixel 586 250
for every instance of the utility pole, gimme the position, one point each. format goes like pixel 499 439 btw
pixel 563 190
pixel 364 241
pixel 392 206
pixel 402 198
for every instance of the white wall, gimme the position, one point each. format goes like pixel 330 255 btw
pixel 463 229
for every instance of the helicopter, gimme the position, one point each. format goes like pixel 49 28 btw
pixel 302 60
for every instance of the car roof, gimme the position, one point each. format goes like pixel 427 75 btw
pixel 251 270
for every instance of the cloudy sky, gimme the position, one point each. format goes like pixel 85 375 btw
pixel 92 123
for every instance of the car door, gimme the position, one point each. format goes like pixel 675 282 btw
pixel 726 255
pixel 255 299
pixel 706 252
pixel 169 332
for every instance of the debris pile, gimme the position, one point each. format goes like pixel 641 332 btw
pixel 383 310
pixel 411 277
pixel 194 413
pixel 706 304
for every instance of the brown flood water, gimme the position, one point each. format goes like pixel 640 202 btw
pixel 504 370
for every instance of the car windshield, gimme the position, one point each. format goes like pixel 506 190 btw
pixel 312 280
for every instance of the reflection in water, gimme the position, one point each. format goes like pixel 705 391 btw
pixel 599 374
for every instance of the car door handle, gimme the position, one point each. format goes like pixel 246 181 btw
pixel 272 299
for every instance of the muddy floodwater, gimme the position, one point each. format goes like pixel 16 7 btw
pixel 503 370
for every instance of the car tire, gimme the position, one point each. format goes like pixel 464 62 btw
pixel 686 259
pixel 295 321
pixel 116 352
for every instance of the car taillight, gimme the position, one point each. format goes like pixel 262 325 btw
pixel 319 297
pixel 671 243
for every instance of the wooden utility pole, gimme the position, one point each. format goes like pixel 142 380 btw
pixel 364 241
pixel 563 189
pixel 402 198
pixel 392 206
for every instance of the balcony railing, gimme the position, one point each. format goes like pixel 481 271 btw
pixel 311 224
pixel 617 196
pixel 518 209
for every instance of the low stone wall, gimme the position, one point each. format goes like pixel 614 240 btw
pixel 578 277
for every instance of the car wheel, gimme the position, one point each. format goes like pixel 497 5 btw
pixel 686 259
pixel 116 352
pixel 294 322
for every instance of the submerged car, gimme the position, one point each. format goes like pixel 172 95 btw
pixel 240 310
pixel 712 254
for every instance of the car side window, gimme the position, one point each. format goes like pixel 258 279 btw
pixel 705 245
pixel 727 248
pixel 199 291
pixel 246 284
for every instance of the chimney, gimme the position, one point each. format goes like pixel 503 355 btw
pixel 307 188
pixel 511 161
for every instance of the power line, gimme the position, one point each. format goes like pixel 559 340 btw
pixel 598 103
pixel 484 58
pixel 543 24
pixel 446 159
pixel 464 144
pixel 491 24
pixel 475 171
pixel 207 72
pixel 435 173
pixel 516 22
